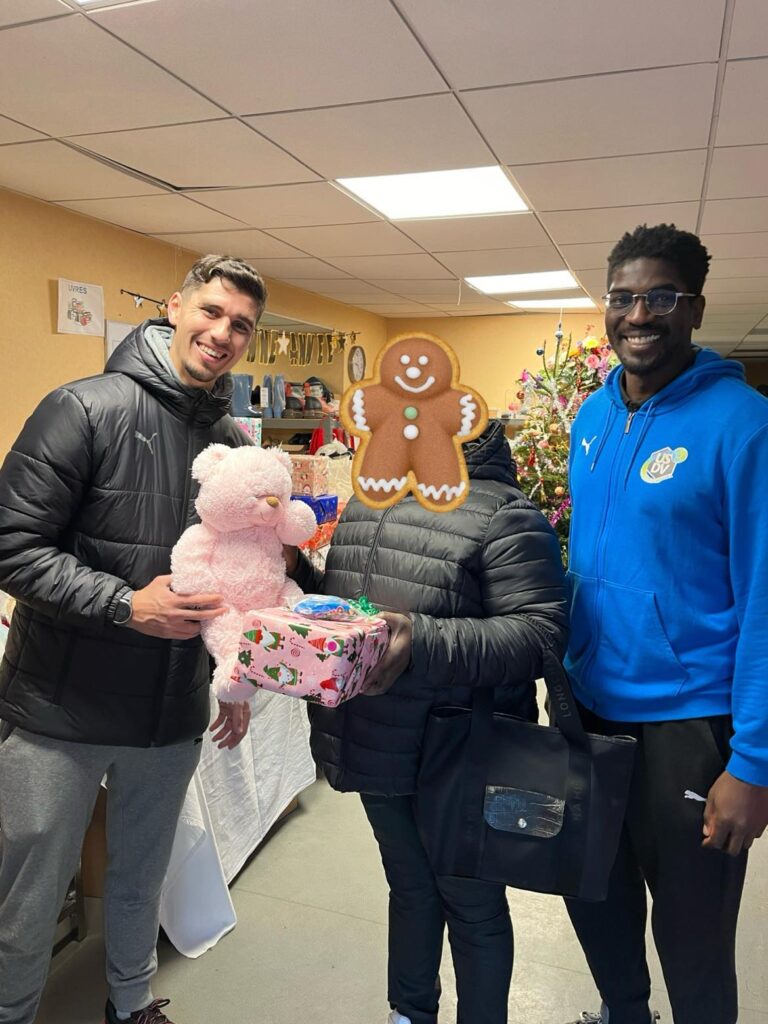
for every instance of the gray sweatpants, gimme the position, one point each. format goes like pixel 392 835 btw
pixel 48 789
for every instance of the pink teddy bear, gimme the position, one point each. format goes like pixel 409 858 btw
pixel 237 549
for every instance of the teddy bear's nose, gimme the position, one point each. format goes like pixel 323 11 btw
pixel 272 501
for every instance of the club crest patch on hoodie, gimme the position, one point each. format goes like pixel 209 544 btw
pixel 660 465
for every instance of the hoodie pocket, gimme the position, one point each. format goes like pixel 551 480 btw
pixel 633 647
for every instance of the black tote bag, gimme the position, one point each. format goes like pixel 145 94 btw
pixel 534 807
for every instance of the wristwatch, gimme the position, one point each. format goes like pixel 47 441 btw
pixel 124 608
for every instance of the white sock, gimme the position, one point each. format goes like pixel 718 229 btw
pixel 122 1016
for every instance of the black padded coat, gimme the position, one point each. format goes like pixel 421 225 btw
pixel 93 496
pixel 472 580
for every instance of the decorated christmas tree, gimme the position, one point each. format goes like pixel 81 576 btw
pixel 550 399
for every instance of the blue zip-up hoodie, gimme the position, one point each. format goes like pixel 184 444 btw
pixel 669 556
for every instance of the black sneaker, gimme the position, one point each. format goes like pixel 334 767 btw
pixel 152 1014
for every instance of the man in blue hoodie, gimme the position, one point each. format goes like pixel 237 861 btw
pixel 669 642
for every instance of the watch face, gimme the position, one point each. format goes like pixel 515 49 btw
pixel 357 363
pixel 123 611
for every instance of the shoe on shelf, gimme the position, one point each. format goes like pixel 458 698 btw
pixel 152 1014
pixel 397 1018
pixel 604 1018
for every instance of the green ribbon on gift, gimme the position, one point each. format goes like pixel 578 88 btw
pixel 364 606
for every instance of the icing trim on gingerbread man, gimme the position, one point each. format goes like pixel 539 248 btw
pixel 412 417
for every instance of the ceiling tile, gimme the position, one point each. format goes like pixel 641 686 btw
pixel 247 244
pixel 456 234
pixel 286 206
pixel 424 133
pixel 744 269
pixel 182 155
pixel 593 281
pixel 737 246
pixel 742 120
pixel 608 225
pixel 10 131
pixel 374 239
pixel 552 121
pixel 738 172
pixel 424 314
pixel 154 214
pixel 590 256
pixel 749 30
pixel 616 181
pixel 530 260
pixel 403 267
pixel 270 56
pixel 727 216
pixel 508 43
pixel 403 311
pixel 743 286
pixel 737 302
pixel 54 171
pixel 287 269
pixel 62 75
pixel 12 12
pixel 346 291
pixel 444 290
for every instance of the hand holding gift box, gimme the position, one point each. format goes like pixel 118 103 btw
pixel 325 661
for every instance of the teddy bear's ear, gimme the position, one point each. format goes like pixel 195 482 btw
pixel 207 459
pixel 282 457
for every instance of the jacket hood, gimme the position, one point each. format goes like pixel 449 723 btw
pixel 489 456
pixel 137 358
pixel 707 364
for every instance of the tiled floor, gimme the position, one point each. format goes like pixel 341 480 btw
pixel 311 939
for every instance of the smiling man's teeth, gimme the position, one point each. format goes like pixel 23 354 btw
pixel 211 352
pixel 643 337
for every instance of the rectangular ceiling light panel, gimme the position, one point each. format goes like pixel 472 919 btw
pixel 463 193
pixel 519 284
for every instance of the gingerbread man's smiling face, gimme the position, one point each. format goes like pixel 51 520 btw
pixel 416 367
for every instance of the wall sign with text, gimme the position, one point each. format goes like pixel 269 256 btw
pixel 81 308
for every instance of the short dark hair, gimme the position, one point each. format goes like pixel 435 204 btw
pixel 663 242
pixel 239 273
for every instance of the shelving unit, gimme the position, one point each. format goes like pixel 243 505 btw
pixel 298 424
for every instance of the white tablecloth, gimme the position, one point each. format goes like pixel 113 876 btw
pixel 233 800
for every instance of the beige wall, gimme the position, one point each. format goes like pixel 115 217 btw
pixel 41 242
pixel 493 350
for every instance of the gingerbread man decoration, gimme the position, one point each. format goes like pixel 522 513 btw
pixel 412 418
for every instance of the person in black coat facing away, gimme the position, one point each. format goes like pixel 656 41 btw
pixel 460 591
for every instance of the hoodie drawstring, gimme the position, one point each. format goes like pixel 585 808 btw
pixel 646 411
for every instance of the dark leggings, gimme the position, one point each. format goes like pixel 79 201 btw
pixel 420 906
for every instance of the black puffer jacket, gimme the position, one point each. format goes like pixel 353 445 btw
pixel 93 496
pixel 472 581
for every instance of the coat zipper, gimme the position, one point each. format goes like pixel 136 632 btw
pixel 374 545
pixel 182 527
pixel 630 417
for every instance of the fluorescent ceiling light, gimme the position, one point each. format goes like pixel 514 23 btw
pixel 96 5
pixel 534 304
pixel 501 284
pixel 464 193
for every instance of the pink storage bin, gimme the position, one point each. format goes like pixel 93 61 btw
pixel 319 660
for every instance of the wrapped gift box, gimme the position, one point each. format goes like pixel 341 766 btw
pixel 326 507
pixel 310 475
pixel 321 538
pixel 252 427
pixel 318 660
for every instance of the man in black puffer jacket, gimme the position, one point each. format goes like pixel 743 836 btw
pixel 104 671
pixel 459 590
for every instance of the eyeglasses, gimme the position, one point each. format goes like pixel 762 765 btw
pixel 658 301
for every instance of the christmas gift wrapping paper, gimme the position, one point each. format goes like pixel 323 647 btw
pixel 310 475
pixel 322 661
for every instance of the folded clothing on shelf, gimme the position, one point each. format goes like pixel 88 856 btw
pixel 325 506
pixel 325 662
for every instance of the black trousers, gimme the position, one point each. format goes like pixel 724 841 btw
pixel 696 892
pixel 420 906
